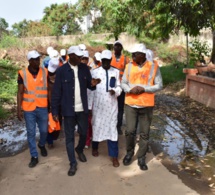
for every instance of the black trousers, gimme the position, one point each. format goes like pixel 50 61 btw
pixel 121 102
pixel 80 119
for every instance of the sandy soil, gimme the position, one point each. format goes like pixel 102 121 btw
pixel 97 176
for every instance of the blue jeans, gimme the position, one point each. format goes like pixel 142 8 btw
pixel 80 119
pixel 40 117
pixel 113 149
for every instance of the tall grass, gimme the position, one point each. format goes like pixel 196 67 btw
pixel 8 41
pixel 171 74
pixel 8 77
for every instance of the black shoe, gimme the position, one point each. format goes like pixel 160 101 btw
pixel 81 156
pixel 43 150
pixel 33 163
pixel 127 159
pixel 142 164
pixel 72 170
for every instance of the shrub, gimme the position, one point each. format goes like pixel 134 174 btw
pixel 8 77
pixel 170 74
pixel 8 41
pixel 198 50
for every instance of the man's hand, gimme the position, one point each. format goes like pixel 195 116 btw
pixel 19 115
pixel 112 92
pixel 94 82
pixel 140 89
pixel 134 90
pixel 137 90
pixel 55 118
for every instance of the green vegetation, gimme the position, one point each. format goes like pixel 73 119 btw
pixel 8 87
pixel 171 74
pixel 8 41
pixel 198 51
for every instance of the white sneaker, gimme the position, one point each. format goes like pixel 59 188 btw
pixel 86 147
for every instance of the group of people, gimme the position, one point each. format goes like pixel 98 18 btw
pixel 90 93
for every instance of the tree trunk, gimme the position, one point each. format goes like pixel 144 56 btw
pixel 213 47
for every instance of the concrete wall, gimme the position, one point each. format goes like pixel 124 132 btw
pixel 201 89
pixel 205 35
pixel 127 40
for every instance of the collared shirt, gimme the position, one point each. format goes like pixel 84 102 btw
pixel 78 102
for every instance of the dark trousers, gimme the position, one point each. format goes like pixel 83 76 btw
pixel 80 119
pixel 121 101
pixel 89 131
pixel 113 149
pixel 144 116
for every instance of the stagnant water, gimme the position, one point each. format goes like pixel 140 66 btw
pixel 176 140
pixel 13 138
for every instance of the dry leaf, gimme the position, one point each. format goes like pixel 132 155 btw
pixel 207 166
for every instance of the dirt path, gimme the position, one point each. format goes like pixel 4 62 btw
pixel 97 176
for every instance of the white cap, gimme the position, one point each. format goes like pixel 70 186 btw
pixel 76 50
pixel 54 54
pixel 118 42
pixel 98 56
pixel 82 47
pixel 149 55
pixel 86 54
pixel 32 54
pixel 106 54
pixel 138 48
pixel 62 52
pixel 49 49
pixel 53 64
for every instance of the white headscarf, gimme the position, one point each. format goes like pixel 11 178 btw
pixel 149 55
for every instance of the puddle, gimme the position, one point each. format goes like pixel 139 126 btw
pixel 13 138
pixel 176 140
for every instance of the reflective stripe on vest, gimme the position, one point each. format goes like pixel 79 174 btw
pixel 35 90
pixel 141 77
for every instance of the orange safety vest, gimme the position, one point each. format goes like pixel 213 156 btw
pixel 143 77
pixel 119 64
pixel 53 126
pixel 35 90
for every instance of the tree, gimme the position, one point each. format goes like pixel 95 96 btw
pixel 38 29
pixel 114 15
pixel 188 15
pixel 20 29
pixel 155 18
pixel 3 24
pixel 61 19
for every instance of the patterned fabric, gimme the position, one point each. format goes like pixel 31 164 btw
pixel 104 105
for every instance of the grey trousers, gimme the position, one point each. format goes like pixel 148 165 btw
pixel 144 116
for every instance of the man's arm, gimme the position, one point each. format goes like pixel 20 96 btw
pixel 158 83
pixel 124 83
pixel 19 100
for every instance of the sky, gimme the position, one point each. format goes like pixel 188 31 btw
pixel 14 11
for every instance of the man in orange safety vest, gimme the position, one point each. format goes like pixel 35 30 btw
pixel 141 79
pixel 32 98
